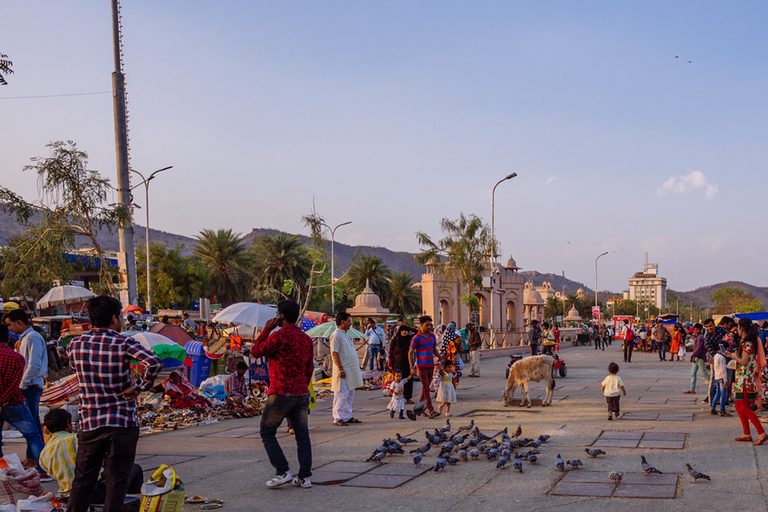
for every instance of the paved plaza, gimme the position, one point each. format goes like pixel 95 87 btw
pixel 227 461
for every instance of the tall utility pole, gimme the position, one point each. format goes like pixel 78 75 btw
pixel 492 259
pixel 127 256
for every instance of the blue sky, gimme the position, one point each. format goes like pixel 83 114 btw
pixel 396 114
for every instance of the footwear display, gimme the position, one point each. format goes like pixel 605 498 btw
pixel 304 483
pixel 280 480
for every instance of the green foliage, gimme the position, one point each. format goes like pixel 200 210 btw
pixel 734 300
pixel 33 260
pixel 404 300
pixel 471 301
pixel 227 264
pixel 282 267
pixel 371 270
pixel 176 279
pixel 553 308
pixel 74 201
pixel 6 68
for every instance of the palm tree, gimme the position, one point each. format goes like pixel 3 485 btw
pixel 405 299
pixel 6 68
pixel 282 266
pixel 552 307
pixel 466 243
pixel 226 260
pixel 371 270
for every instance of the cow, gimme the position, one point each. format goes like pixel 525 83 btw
pixel 533 368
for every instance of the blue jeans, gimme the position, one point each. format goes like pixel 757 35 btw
pixel 699 365
pixel 373 355
pixel 718 387
pixel 295 408
pixel 21 419
pixel 32 395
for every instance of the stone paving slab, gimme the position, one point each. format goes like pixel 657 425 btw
pixel 615 443
pixel 645 491
pixel 640 416
pixel 234 432
pixel 584 489
pixel 662 445
pixel 579 475
pixel 570 387
pixel 400 470
pixel 320 477
pixel 646 400
pixel 155 461
pixel 664 436
pixel 344 466
pixel 661 389
pixel 618 434
pixel 378 481
pixel 657 440
pixel 653 479
pixel 665 416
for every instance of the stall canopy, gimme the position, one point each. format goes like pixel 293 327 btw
pixel 66 295
pixel 173 331
pixel 755 317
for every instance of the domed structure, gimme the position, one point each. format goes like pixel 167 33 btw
pixel 511 264
pixel 580 293
pixel 531 296
pixel 368 304
pixel 573 315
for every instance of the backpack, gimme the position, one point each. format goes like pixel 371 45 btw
pixel 630 334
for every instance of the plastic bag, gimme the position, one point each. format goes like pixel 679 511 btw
pixel 163 492
pixel 16 483
pixel 45 503
pixel 386 380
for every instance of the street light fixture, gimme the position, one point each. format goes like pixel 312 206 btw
pixel 492 254
pixel 145 182
pixel 606 252
pixel 333 262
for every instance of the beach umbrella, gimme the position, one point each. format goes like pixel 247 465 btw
pixel 325 330
pixel 64 296
pixel 246 314
pixel 162 346
pixel 307 324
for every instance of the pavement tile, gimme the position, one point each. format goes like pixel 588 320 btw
pixel 656 401
pixel 579 475
pixel 619 434
pixel 653 479
pixel 665 416
pixel 399 469
pixel 645 491
pixel 155 461
pixel 234 432
pixel 640 416
pixel 321 477
pixel 378 481
pixel 664 436
pixel 583 489
pixel 344 466
pixel 615 443
pixel 570 387
pixel 663 445
pixel 661 389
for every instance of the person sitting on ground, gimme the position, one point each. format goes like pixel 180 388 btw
pixel 236 384
pixel 58 457
pixel 182 393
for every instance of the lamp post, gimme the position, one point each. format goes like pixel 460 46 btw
pixel 492 254
pixel 333 262
pixel 145 182
pixel 606 252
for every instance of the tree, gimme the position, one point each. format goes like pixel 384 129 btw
pixel 227 264
pixel 6 68
pixel 177 280
pixel 553 307
pixel 74 201
pixel 466 244
pixel 371 270
pixel 282 267
pixel 734 300
pixel 404 298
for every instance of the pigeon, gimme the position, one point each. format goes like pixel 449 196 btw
pixel 523 442
pixel 463 455
pixel 574 463
pixel 517 463
pixel 422 449
pixel 502 462
pixel 467 427
pixel 393 444
pixel 615 476
pixel 560 462
pixel 417 459
pixel 532 459
pixel 503 432
pixel 404 440
pixel 395 449
pixel 456 438
pixel 535 444
pixel 647 467
pixel 506 453
pixel 474 454
pixel 594 452
pixel 440 464
pixel 376 457
pixel 696 474
pixel 544 438
pixel 482 448
pixel 481 435
pixel 492 453
pixel 463 446
pixel 452 460
pixel 450 445
pixel 434 439
pixel 447 427
pixel 411 415
pixel 528 453
pixel 473 441
pixel 445 450
pixel 518 431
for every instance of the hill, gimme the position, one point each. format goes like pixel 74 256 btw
pixel 557 281
pixel 700 296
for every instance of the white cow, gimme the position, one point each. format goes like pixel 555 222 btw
pixel 533 368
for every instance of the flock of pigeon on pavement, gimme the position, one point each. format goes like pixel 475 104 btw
pixel 469 443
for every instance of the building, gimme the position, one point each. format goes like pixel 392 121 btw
pixel 648 287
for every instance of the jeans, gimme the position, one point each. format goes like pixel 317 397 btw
pixel 21 419
pixel 699 365
pixel 32 395
pixel 663 351
pixel 295 408
pixel 628 346
pixel 718 395
pixel 373 355
pixel 115 449
pixel 425 377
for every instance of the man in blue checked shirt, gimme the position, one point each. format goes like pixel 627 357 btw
pixel 109 429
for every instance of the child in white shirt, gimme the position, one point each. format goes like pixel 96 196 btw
pixel 397 403
pixel 612 388
pixel 719 377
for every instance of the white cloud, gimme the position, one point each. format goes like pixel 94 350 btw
pixel 549 180
pixel 691 181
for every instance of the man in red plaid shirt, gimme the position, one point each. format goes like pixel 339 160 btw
pixel 109 429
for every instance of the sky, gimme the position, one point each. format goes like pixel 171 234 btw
pixel 634 127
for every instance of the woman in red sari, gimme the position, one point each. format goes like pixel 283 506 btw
pixel 182 393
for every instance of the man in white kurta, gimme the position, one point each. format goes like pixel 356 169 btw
pixel 346 375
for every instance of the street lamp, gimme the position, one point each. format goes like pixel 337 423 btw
pixel 492 255
pixel 333 262
pixel 606 252
pixel 145 182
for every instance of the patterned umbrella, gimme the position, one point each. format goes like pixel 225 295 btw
pixel 307 324
pixel 64 296
pixel 325 330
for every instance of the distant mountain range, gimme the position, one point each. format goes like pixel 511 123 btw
pixel 397 261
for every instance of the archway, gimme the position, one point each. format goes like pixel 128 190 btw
pixel 445 312
pixel 511 316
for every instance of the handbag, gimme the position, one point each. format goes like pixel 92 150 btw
pixel 260 370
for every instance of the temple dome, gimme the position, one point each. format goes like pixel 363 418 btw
pixel 367 299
